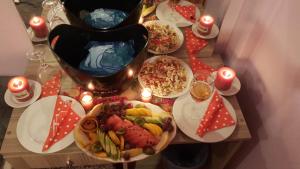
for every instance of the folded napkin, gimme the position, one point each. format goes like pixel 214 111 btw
pixel 63 122
pixel 52 86
pixel 188 12
pixel 215 117
pixel 194 45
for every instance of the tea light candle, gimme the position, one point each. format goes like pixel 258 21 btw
pixel 224 79
pixel 86 100
pixel 38 26
pixel 146 95
pixel 20 88
pixel 205 25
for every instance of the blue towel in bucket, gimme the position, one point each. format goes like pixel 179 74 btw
pixel 106 58
pixel 104 18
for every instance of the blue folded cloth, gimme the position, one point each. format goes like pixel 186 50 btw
pixel 104 18
pixel 106 58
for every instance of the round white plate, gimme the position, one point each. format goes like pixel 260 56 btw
pixel 177 31
pixel 214 32
pixel 167 14
pixel 157 110
pixel 187 115
pixel 34 125
pixel 34 38
pixel 189 75
pixel 234 89
pixel 13 102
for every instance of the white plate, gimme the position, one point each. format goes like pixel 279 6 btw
pixel 214 32
pixel 153 108
pixel 13 102
pixel 34 124
pixel 189 75
pixel 34 38
pixel 177 31
pixel 187 115
pixel 234 89
pixel 165 13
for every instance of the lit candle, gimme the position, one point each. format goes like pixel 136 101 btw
pixel 225 76
pixel 146 95
pixel 86 100
pixel 20 88
pixel 205 25
pixel 130 72
pixel 38 26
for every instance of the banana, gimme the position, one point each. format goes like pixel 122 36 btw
pixel 101 154
pixel 122 143
pixel 163 141
pixel 133 152
pixel 114 137
pixel 138 112
pixel 146 11
pixel 96 110
pixel 153 128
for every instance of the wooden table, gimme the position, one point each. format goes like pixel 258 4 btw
pixel 21 158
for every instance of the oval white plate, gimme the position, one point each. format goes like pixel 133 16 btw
pixel 153 108
pixel 214 32
pixel 34 124
pixel 187 115
pixel 165 13
pixel 177 31
pixel 13 102
pixel 189 75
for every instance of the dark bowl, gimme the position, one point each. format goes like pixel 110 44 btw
pixel 69 51
pixel 132 7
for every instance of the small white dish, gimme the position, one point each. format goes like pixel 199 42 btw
pixel 167 14
pixel 187 115
pixel 13 102
pixel 34 38
pixel 214 32
pixel 234 89
pixel 34 125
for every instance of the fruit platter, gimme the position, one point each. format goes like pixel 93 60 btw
pixel 124 131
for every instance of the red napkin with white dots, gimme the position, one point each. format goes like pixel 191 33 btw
pixel 63 121
pixel 194 45
pixel 52 86
pixel 188 12
pixel 215 117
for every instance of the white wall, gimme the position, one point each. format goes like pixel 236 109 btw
pixel 14 41
pixel 264 47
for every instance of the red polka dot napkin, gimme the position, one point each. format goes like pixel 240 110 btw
pixel 63 121
pixel 188 12
pixel 215 117
pixel 194 45
pixel 52 86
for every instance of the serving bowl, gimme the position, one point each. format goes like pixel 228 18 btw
pixel 132 7
pixel 68 46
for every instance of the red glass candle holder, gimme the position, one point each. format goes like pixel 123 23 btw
pixel 205 24
pixel 39 27
pixel 86 100
pixel 20 88
pixel 224 79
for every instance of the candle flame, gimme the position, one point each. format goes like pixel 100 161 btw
pixel 130 72
pixel 146 93
pixel 207 19
pixel 91 86
pixel 87 99
pixel 36 20
pixel 17 83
